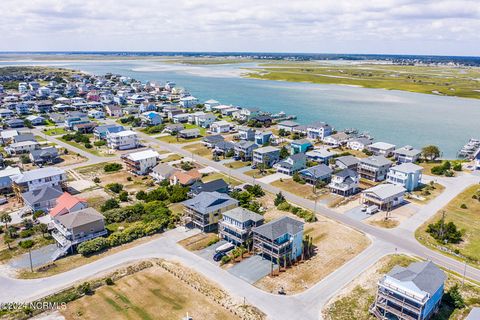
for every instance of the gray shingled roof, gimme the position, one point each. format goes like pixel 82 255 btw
pixel 425 275
pixel 346 173
pixel 242 215
pixel 348 160
pixel 206 202
pixel 41 195
pixel 377 161
pixel 318 170
pixel 279 227
pixel 79 218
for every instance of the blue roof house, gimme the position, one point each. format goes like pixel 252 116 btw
pixel 101 132
pixel 151 118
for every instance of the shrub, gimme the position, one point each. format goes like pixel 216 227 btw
pixel 457 167
pixel 255 190
pixel 213 241
pixel 109 204
pixel 112 167
pixel 123 196
pixel 109 282
pixel 444 232
pixel 96 180
pixel 26 233
pixel 186 166
pixel 454 297
pixel 279 198
pixel 226 259
pixel 284 206
pixel 463 206
pixel 85 288
pixel 99 143
pixel 114 187
pixel 141 195
pixel 129 179
pixel 26 244
pixel 92 246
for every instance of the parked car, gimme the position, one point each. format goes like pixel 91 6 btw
pixel 3 200
pixel 218 256
pixel 372 209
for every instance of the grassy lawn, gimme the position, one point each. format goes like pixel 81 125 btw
pixel 427 166
pixel 100 152
pixel 172 157
pixel 199 149
pixel 428 192
pixel 218 175
pixel 467 220
pixel 238 164
pixel 423 79
pixel 199 241
pixel 355 153
pixel 172 139
pixel 301 190
pixel 153 293
pixel 257 174
pixel 55 131
pixel 95 169
pixel 355 299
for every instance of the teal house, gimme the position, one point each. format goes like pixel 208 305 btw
pixel 300 146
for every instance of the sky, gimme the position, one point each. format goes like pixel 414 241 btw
pixel 438 27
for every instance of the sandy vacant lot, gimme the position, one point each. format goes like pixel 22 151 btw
pixel 149 294
pixel 334 244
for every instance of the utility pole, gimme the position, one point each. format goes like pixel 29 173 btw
pixel 30 256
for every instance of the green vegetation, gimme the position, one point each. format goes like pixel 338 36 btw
pixel 463 213
pixel 246 198
pixel 145 219
pixel 449 81
pixel 112 167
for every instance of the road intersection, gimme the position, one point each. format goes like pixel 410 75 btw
pixel 306 305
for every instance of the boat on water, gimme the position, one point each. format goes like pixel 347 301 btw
pixel 470 149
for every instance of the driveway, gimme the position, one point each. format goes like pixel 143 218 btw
pixel 40 257
pixel 357 214
pixel 251 269
pixel 274 177
pixel 209 252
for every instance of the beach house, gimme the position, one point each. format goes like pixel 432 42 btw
pixel 244 150
pixel 386 196
pixel 411 293
pixel 267 156
pixel 313 175
pixel 374 168
pixel 220 127
pixel 246 133
pixel 236 225
pixel 381 149
pixel 122 140
pixel 279 240
pixel 205 210
pixel 287 125
pixel 300 146
pixel 320 155
pixel 318 131
pixel 141 162
pixel 344 183
pixel 407 154
pixel 359 144
pixel 292 164
pixel 408 175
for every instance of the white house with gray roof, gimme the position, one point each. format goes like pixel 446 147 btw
pixel 236 225
pixel 359 144
pixel 345 182
pixel 407 154
pixel 39 178
pixel 292 164
pixel 382 149
pixel 411 293
pixel 280 239
pixel 386 196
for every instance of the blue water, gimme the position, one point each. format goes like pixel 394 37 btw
pixel 392 116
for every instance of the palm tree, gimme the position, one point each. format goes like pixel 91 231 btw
pixel 5 219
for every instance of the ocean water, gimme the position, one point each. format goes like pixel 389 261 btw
pixel 398 117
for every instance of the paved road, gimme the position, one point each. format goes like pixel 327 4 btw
pixel 306 305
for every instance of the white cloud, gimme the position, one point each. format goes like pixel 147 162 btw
pixel 375 26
